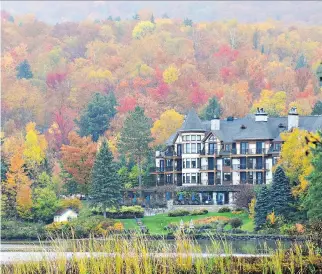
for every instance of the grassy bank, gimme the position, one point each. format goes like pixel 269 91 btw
pixel 120 255
pixel 156 223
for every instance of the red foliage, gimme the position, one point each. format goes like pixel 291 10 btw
pixel 127 104
pixel 140 82
pixel 55 78
pixel 198 96
pixel 227 53
pixel 160 92
pixel 227 74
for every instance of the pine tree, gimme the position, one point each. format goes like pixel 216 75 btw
pixel 95 118
pixel 317 109
pixel 135 138
pixel 262 207
pixel 165 16
pixel 280 192
pixel 301 62
pixel 313 202
pixel 187 22
pixel 152 19
pixel 105 188
pixel 262 50
pixel 212 109
pixel 136 17
pixel 23 70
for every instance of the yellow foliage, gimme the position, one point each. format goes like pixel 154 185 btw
pixel 296 159
pixel 142 29
pixel 303 106
pixel 212 219
pixel 274 103
pixel 171 74
pixel 35 145
pixel 100 74
pixel 251 208
pixel 271 218
pixel 169 122
pixel 118 226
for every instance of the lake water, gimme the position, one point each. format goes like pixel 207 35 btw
pixel 24 251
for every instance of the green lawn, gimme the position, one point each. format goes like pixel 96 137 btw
pixel 156 223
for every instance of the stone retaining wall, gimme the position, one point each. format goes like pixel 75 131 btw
pixel 210 208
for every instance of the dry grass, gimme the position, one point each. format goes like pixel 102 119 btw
pixel 138 255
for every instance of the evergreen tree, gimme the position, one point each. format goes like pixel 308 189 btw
pixel 105 188
pixel 281 196
pixel 317 109
pixel 117 19
pixel 136 17
pixel 96 117
pixel 135 138
pixel 263 50
pixel 301 62
pixel 23 70
pixel 262 207
pixel 255 39
pixel 211 110
pixel 110 18
pixel 152 19
pixel 165 16
pixel 187 22
pixel 313 201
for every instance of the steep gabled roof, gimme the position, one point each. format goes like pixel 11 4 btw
pixel 192 122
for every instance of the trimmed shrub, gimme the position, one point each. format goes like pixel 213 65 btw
pixel 199 212
pixel 73 203
pixel 125 212
pixel 224 210
pixel 236 222
pixel 179 212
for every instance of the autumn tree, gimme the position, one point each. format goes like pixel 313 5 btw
pixel 170 121
pixel 274 103
pixel 105 188
pixel 312 201
pixel 317 109
pixel 296 159
pixel 78 158
pixel 170 75
pixel 24 71
pixel 136 137
pixel 96 117
pixel 211 110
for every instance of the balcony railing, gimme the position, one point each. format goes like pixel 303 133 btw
pixel 169 168
pixel 252 181
pixel 251 151
pixel 256 166
pixel 157 169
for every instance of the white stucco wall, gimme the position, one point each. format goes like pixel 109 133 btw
pixel 65 216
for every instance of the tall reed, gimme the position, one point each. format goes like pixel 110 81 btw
pixel 116 254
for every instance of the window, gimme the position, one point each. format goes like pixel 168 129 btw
pixel 227 147
pixel 183 178
pixel 187 163
pixel 188 148
pixel 227 161
pixel 193 148
pixel 275 160
pixel 227 177
pixel 188 178
pixel 183 137
pixel 277 147
pixel 69 218
pixel 193 178
pixel 193 137
pixel 188 138
pixel 194 163
pixel 198 147
pixel 198 137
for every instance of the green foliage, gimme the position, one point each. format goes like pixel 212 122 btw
pixel 45 204
pixel 199 212
pixel 236 222
pixel 187 22
pixel 301 62
pixel 280 193
pixel 18 230
pixel 4 169
pixel 125 212
pixel 73 203
pixel 317 109
pixel 95 119
pixel 23 70
pixel 313 201
pixel 136 17
pixel 179 212
pixel 211 110
pixel 152 19
pixel 224 209
pixel 105 189
pixel 135 137
pixel 262 207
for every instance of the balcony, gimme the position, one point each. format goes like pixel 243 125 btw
pixel 256 166
pixel 252 151
pixel 168 168
pixel 252 181
pixel 156 170
pixel 172 154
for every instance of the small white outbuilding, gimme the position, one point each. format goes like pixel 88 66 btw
pixel 65 215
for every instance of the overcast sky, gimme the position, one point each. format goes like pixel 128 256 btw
pixel 309 12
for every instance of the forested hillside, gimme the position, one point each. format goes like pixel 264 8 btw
pixel 71 80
